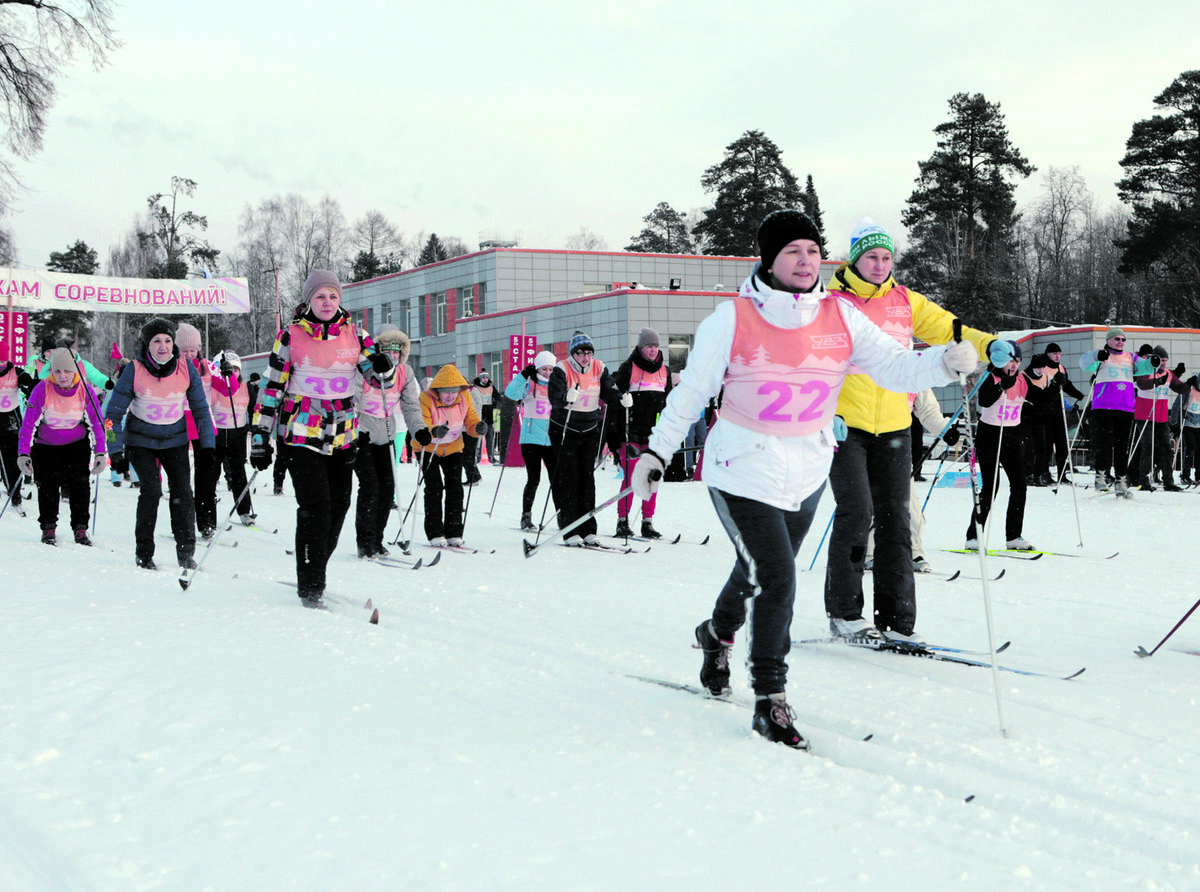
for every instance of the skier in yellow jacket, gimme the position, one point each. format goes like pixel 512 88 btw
pixel 448 412
pixel 872 466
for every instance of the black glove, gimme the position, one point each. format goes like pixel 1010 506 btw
pixel 1102 354
pixel 440 431
pixel 1155 359
pixel 1179 370
pixel 109 384
pixel 423 436
pixel 226 367
pixel 529 372
pixel 260 450
pixel 118 462
pixel 1194 382
pixel 381 363
pixel 481 429
pixel 950 437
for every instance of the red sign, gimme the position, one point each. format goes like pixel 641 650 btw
pixel 14 332
pixel 521 351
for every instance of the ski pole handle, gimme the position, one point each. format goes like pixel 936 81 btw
pixel 957 328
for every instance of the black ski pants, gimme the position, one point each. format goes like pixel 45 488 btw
pixel 63 467
pixel 322 484
pixel 174 464
pixel 989 443
pixel 766 540
pixel 443 476
pixel 870 481
pixel 376 487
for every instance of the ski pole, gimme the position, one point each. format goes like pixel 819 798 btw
pixel 186 577
pixel 987 595
pixel 420 479
pixel 530 548
pixel 467 506
pixel 557 468
pixel 499 480
pixel 1074 495
pixel 828 526
pixel 1142 652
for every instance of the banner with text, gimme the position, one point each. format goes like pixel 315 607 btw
pixel 14 334
pixel 521 351
pixel 40 290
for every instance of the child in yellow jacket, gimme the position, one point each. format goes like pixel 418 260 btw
pixel 447 411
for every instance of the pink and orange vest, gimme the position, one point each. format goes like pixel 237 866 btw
pixel 372 400
pixel 1006 411
pixel 785 382
pixel 589 384
pixel 323 369
pixel 160 400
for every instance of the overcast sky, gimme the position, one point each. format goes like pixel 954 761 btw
pixel 532 120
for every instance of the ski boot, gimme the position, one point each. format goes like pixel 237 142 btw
pixel 714 672
pixel 623 529
pixel 774 719
pixel 648 531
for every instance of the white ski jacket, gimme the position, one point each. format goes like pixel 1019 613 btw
pixel 779 471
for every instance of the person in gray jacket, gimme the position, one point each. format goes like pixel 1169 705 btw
pixel 380 400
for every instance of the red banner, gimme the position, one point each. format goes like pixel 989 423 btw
pixel 14 334
pixel 521 351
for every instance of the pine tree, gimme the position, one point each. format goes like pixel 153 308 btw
pixel 962 215
pixel 750 182
pixel 665 232
pixel 811 205
pixel 433 251
pixel 1162 186
pixel 80 260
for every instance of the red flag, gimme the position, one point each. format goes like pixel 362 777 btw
pixel 116 353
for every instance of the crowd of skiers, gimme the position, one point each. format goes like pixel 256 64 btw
pixel 814 385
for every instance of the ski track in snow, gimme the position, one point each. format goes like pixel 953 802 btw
pixel 486 734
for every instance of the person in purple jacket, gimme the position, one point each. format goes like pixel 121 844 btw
pixel 1113 394
pixel 61 440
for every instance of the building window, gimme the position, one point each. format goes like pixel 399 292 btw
pixel 678 348
pixel 412 309
pixel 466 307
pixel 481 307
pixel 439 313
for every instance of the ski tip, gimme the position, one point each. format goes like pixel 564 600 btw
pixel 1000 574
pixel 953 576
pixel 1003 647
pixel 437 557
pixel 675 541
pixel 184 582
pixel 1075 674
pixel 704 541
pixel 970 798
pixel 529 549
pixel 368 605
pixel 1142 652
pixel 374 620
pixel 1038 556
pixel 417 565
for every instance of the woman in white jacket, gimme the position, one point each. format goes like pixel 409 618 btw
pixel 781 350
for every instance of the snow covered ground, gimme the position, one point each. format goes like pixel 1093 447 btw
pixel 487 734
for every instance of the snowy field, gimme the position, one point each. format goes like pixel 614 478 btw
pixel 487 734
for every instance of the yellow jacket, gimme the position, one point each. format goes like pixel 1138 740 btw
pixel 863 403
pixel 433 412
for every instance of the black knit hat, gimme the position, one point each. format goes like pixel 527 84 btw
pixel 156 326
pixel 782 228
pixel 1053 348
